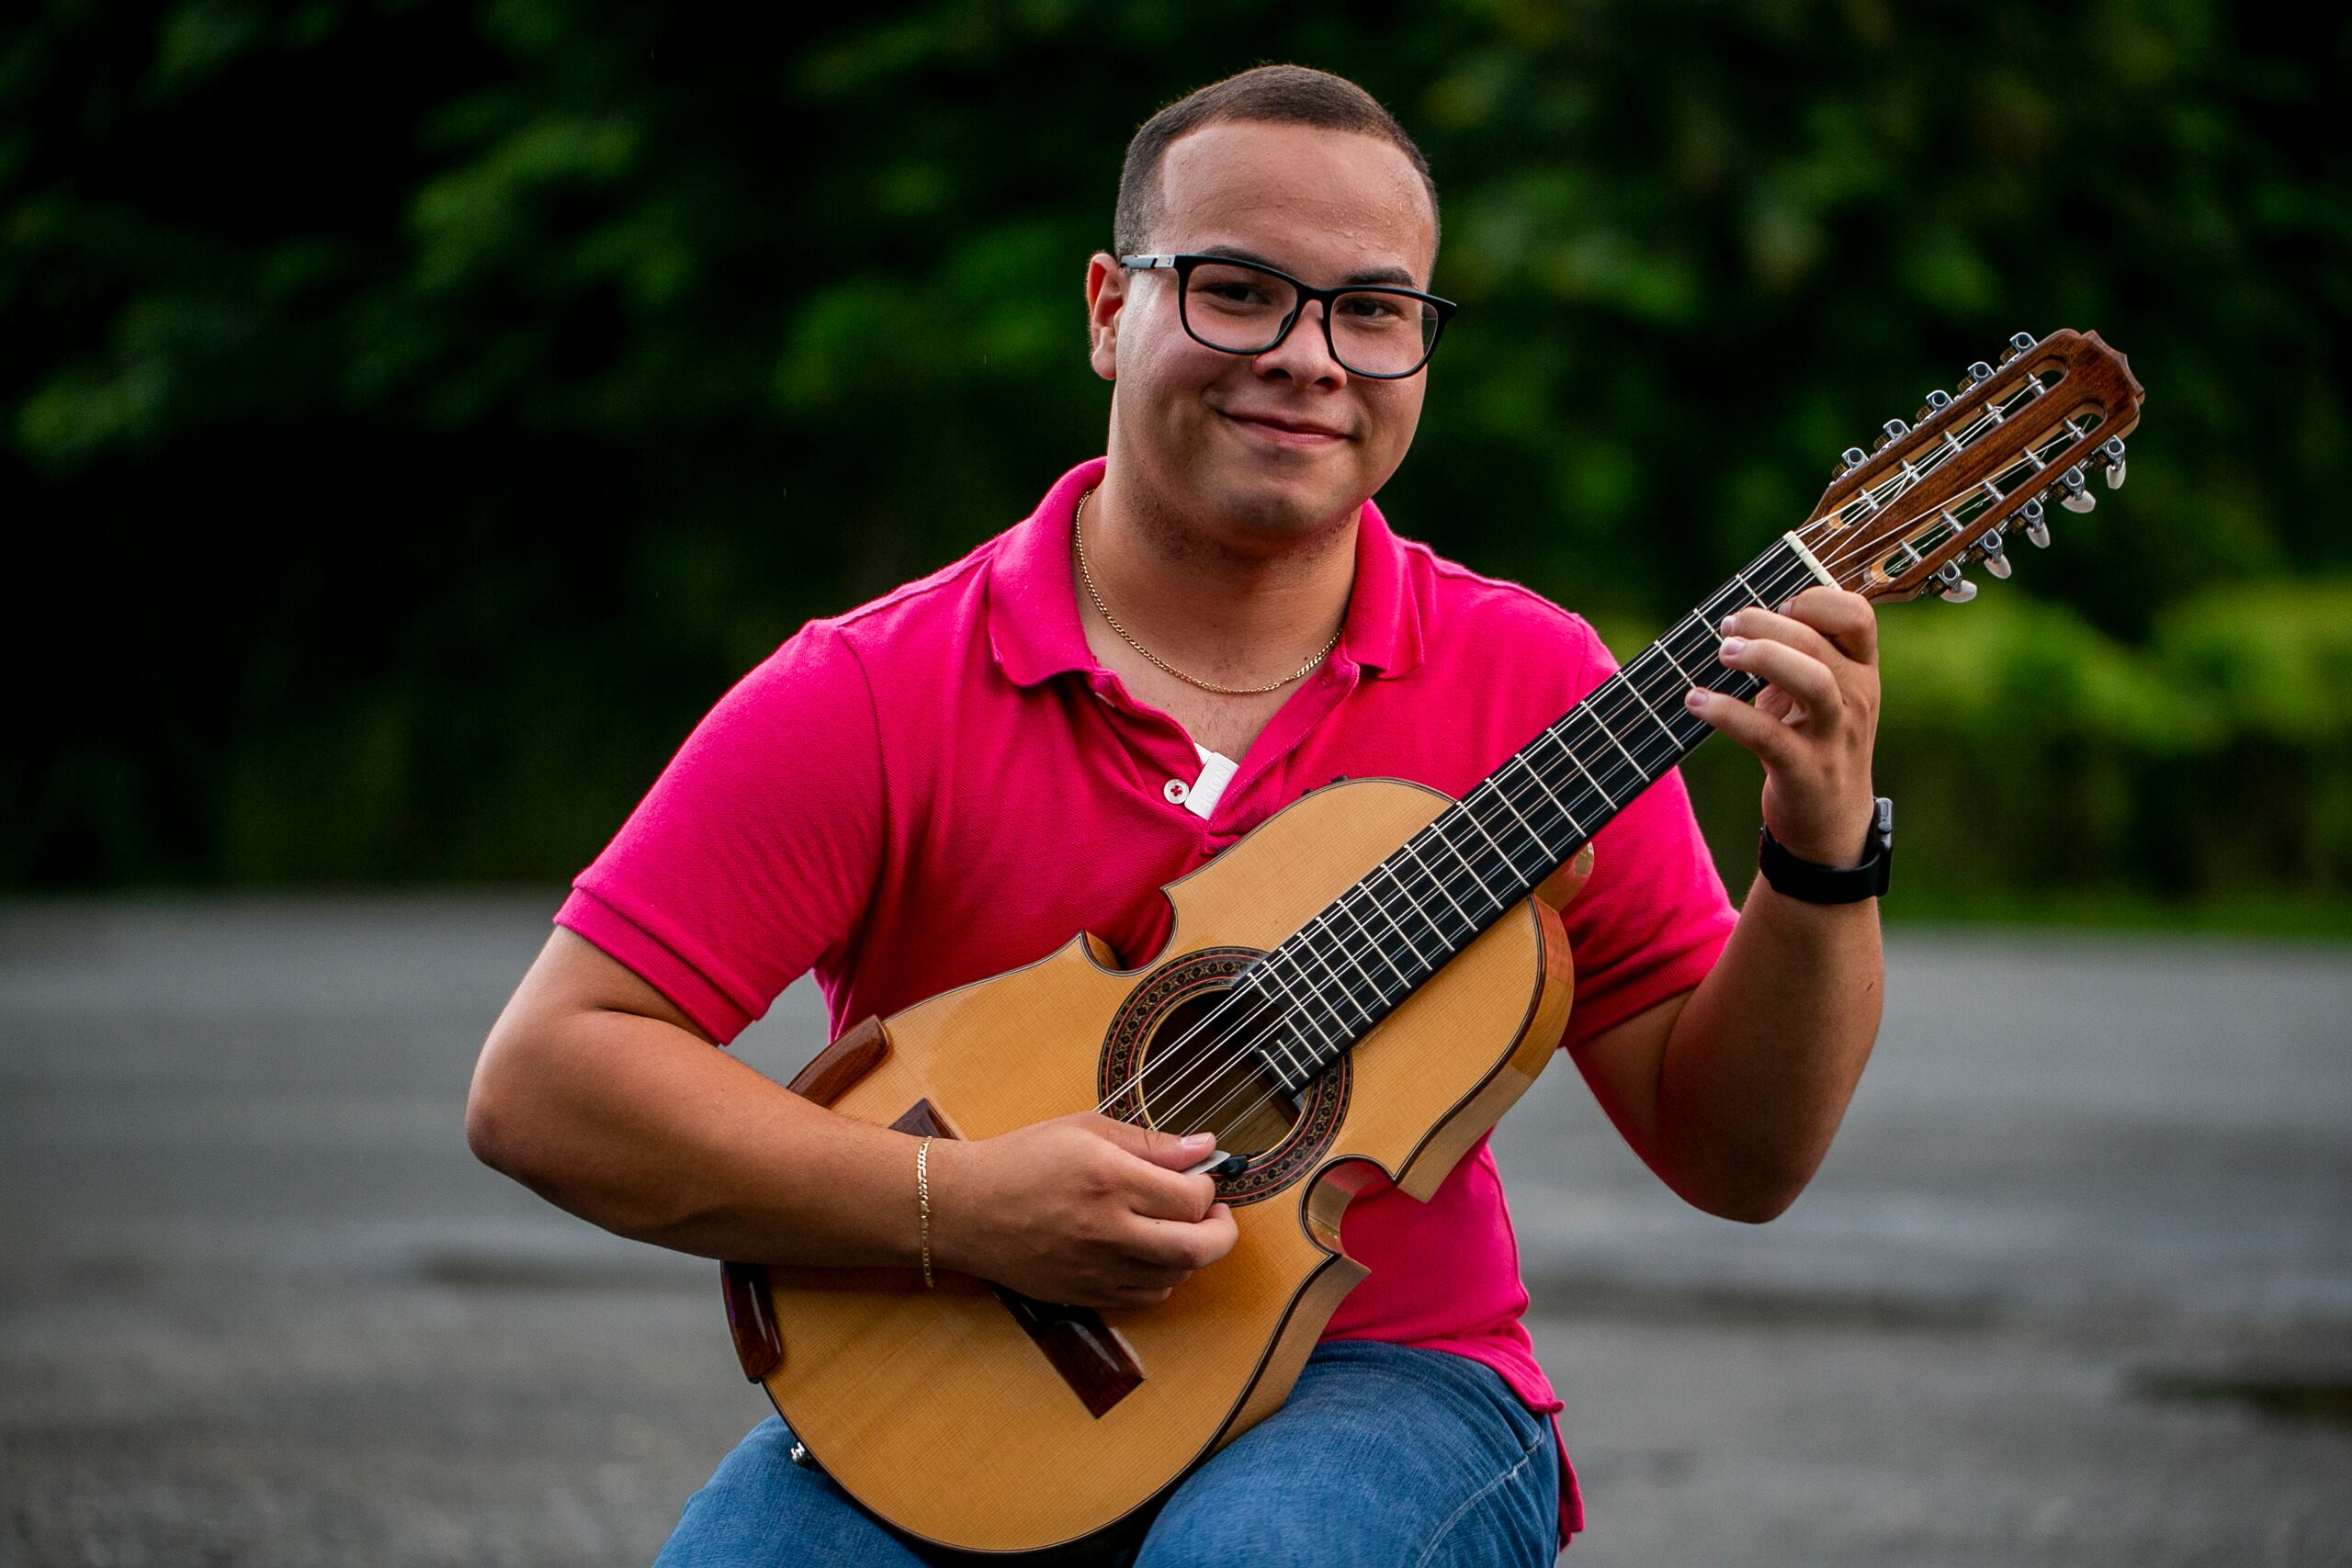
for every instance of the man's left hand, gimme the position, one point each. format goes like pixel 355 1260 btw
pixel 1813 724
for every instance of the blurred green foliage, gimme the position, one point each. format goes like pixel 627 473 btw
pixel 427 407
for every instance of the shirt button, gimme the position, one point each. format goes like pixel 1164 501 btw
pixel 1176 790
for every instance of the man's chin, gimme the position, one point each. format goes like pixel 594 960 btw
pixel 1284 507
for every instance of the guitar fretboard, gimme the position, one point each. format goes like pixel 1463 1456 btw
pixel 1345 969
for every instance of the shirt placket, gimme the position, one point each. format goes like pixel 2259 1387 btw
pixel 1167 760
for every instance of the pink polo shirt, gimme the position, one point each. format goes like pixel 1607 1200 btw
pixel 950 759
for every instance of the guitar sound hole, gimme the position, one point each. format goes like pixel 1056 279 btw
pixel 1203 1074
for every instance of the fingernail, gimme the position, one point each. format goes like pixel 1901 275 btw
pixel 1731 645
pixel 1200 1140
pixel 1694 699
pixel 1727 621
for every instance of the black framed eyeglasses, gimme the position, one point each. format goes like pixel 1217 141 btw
pixel 1238 307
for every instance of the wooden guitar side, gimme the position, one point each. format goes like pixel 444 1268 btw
pixel 936 1409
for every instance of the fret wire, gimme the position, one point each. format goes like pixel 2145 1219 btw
pixel 1395 924
pixel 1699 729
pixel 1438 829
pixel 1608 766
pixel 1306 949
pixel 1593 720
pixel 1463 811
pixel 1324 918
pixel 1396 875
pixel 1299 1012
pixel 1666 653
pixel 1347 987
pixel 1292 1064
pixel 1542 846
pixel 1373 936
pixel 1294 1067
pixel 1274 1037
pixel 1302 1059
pixel 1553 736
pixel 1444 892
pixel 1519 759
pixel 1602 725
pixel 1635 687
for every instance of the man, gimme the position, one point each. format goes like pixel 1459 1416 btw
pixel 1188 633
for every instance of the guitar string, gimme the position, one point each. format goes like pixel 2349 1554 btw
pixel 1502 787
pixel 1632 697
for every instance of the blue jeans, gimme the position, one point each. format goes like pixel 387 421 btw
pixel 1384 1456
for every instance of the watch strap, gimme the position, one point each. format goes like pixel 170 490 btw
pixel 1817 884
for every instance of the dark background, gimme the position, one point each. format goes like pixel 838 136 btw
pixel 416 415
pixel 419 413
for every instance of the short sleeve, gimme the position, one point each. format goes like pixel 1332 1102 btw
pixel 1653 917
pixel 754 856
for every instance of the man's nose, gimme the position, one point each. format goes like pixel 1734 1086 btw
pixel 1304 352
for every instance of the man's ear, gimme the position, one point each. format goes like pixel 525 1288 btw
pixel 1106 295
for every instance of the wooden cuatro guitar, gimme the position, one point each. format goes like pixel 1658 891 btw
pixel 1368 980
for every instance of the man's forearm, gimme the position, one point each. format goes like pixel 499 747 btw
pixel 637 1125
pixel 1761 1062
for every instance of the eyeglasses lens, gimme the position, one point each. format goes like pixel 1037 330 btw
pixel 1241 308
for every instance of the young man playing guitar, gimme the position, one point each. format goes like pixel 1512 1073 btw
pixel 1188 633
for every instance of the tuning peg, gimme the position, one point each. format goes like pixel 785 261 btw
pixel 2037 523
pixel 2112 450
pixel 2079 497
pixel 1956 589
pixel 1938 400
pixel 1979 371
pixel 2020 342
pixel 1994 548
pixel 1893 430
pixel 1854 457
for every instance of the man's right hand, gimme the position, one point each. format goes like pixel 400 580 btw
pixel 1083 1209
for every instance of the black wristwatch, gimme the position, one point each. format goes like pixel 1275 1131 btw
pixel 1817 884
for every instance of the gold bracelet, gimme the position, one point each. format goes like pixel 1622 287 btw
pixel 922 1201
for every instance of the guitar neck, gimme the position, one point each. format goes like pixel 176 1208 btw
pixel 1373 946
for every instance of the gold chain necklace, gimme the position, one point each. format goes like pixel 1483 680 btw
pixel 1096 594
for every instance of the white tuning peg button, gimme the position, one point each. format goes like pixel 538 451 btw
pixel 1955 588
pixel 2079 497
pixel 2037 523
pixel 1993 549
pixel 2115 474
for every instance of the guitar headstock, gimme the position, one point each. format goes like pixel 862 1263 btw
pixel 1945 488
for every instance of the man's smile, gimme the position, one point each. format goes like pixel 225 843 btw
pixel 1286 432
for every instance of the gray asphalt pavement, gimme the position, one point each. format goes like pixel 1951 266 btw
pixel 2074 1288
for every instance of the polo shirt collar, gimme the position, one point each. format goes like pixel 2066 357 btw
pixel 1033 629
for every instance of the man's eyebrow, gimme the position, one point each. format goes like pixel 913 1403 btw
pixel 1395 275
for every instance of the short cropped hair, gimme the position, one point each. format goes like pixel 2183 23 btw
pixel 1274 94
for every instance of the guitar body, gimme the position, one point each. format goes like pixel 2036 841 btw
pixel 977 1419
